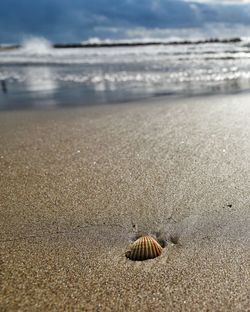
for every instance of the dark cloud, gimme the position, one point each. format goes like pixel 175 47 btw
pixel 67 20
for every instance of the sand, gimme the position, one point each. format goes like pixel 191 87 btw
pixel 77 184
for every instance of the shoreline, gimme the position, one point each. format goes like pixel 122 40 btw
pixel 77 183
pixel 147 100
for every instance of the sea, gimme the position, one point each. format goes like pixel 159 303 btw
pixel 37 74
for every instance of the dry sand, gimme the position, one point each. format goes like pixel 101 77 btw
pixel 77 184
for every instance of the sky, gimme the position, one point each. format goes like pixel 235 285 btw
pixel 79 20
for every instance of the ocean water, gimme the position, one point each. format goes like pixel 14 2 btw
pixel 38 75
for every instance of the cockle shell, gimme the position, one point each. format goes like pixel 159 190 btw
pixel 144 248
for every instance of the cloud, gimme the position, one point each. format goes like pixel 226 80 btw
pixel 218 30
pixel 66 20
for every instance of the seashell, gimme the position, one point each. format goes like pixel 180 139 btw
pixel 144 248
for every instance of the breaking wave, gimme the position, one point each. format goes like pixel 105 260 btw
pixel 36 46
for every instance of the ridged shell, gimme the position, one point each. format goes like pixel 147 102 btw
pixel 144 248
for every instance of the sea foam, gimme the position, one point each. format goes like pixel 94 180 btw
pixel 36 46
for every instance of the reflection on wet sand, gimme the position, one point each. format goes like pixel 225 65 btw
pixel 4 86
pixel 41 86
pixel 37 89
pixel 40 79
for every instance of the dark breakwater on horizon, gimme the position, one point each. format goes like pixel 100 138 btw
pixel 38 75
pixel 127 43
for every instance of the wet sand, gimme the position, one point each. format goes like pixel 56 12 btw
pixel 76 185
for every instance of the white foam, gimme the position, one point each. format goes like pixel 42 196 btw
pixel 160 68
pixel 36 46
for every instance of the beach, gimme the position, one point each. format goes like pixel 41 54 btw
pixel 77 184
